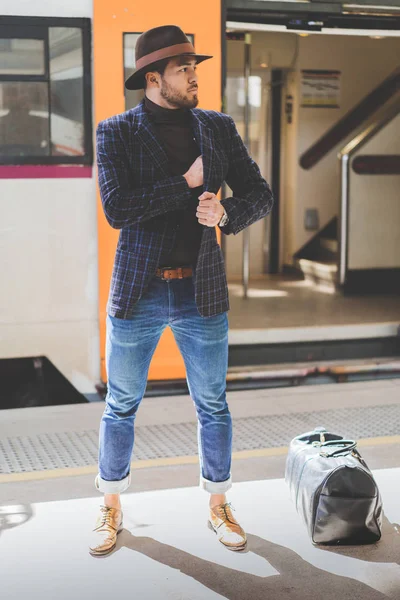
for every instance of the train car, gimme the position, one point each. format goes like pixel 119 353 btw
pixel 317 103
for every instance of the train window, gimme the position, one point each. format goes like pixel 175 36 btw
pixel 133 97
pixel 24 123
pixel 66 91
pixel 22 56
pixel 45 93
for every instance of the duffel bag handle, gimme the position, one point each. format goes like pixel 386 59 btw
pixel 345 447
pixel 356 453
pixel 318 436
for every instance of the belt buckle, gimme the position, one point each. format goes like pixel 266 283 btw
pixel 178 269
pixel 162 273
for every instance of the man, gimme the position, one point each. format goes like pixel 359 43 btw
pixel 160 166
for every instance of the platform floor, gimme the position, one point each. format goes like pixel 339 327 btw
pixel 281 302
pixel 165 550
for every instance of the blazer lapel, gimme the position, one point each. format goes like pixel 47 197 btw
pixel 205 139
pixel 148 138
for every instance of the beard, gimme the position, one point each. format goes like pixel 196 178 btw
pixel 176 98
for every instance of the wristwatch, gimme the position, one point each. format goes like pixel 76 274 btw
pixel 224 219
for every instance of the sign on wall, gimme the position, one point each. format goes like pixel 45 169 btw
pixel 320 89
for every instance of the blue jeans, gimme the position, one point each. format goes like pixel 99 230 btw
pixel 130 344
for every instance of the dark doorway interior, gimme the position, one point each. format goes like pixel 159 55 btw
pixel 35 381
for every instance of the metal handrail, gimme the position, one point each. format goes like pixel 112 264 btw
pixel 353 119
pixel 246 232
pixel 344 157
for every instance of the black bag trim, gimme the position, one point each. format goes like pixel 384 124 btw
pixel 318 494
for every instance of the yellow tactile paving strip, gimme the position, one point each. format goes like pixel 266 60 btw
pixel 174 461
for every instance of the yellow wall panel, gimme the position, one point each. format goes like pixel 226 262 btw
pixel 111 20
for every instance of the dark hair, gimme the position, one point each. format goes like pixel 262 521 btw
pixel 158 66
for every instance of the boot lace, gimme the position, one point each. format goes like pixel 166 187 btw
pixel 226 511
pixel 107 516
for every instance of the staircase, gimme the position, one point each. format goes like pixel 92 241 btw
pixel 318 259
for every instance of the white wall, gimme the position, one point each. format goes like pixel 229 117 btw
pixel 49 280
pixel 374 208
pixel 48 256
pixel 47 8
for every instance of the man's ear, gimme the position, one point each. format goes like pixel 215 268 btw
pixel 151 77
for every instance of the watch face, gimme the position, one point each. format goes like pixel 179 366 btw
pixel 224 219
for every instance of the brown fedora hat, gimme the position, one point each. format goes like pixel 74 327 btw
pixel 155 44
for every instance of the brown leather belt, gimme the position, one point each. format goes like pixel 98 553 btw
pixel 176 273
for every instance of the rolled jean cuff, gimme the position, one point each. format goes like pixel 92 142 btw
pixel 112 487
pixel 215 487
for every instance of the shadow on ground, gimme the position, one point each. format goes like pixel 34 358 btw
pixel 297 579
pixel 13 516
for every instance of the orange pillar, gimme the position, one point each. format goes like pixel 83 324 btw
pixel 111 20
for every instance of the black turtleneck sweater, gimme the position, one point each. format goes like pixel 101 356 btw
pixel 174 130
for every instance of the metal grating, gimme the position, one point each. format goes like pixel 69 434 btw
pixel 77 449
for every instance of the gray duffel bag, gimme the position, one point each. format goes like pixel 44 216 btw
pixel 333 489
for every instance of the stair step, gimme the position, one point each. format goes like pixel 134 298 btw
pixel 322 269
pixel 314 372
pixel 319 273
pixel 386 364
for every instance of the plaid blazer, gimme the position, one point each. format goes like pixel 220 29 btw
pixel 139 197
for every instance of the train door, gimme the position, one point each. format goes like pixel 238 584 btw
pixel 116 27
pixel 247 100
pixel 304 97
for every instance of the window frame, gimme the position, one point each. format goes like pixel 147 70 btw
pixel 26 28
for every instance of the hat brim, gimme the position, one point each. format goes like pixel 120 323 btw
pixel 136 80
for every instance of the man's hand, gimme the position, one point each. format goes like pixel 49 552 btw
pixel 209 210
pixel 194 176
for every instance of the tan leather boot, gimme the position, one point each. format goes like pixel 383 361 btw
pixel 104 536
pixel 228 530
